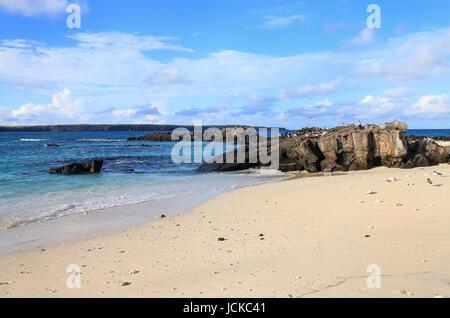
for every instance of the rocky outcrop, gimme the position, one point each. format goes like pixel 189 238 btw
pixel 354 147
pixel 221 165
pixel 237 135
pixel 93 166
pixel 160 136
pixel 425 151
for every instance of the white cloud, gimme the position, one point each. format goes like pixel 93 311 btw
pixel 319 108
pixel 279 22
pixel 127 112
pixel 308 90
pixel 112 70
pixel 366 36
pixel 431 106
pixel 397 92
pixel 34 7
pixel 168 76
pixel 417 56
pixel 370 107
pixel 62 108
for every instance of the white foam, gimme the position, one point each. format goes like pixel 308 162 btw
pixel 30 140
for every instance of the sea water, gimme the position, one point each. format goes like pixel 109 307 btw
pixel 131 174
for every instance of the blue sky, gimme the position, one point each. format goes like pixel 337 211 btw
pixel 259 62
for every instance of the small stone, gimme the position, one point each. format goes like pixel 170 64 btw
pixel 406 292
pixel 392 179
pixel 163 216
pixel 398 205
pixel 221 239
pixel 367 236
pixel 379 202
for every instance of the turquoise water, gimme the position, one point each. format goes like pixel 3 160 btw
pixel 131 174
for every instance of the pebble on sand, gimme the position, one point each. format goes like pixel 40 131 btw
pixel 407 293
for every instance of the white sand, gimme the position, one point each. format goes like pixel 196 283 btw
pixel 314 245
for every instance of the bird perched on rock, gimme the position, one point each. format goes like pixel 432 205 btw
pixel 429 181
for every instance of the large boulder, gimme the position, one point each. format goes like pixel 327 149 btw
pixel 397 125
pixel 350 147
pixel 329 165
pixel 93 166
pixel 220 164
pixel 305 154
pixel 391 147
pixel 432 151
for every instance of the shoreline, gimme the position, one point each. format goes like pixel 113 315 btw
pixel 99 222
pixel 310 247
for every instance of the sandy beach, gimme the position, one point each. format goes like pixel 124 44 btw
pixel 305 237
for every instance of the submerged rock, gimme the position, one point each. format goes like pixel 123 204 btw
pixel 93 166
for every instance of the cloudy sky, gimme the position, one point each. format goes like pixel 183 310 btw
pixel 260 62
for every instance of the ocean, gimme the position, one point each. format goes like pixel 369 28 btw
pixel 131 174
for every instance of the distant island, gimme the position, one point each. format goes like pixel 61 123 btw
pixel 66 128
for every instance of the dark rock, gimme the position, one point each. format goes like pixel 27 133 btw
pixel 349 148
pixel 221 239
pixel 52 145
pixel 328 165
pixel 235 166
pixel 238 136
pixel 93 166
pixel 397 125
pixel 160 136
pixel 163 216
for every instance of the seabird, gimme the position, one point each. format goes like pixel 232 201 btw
pixel 437 173
pixel 429 181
